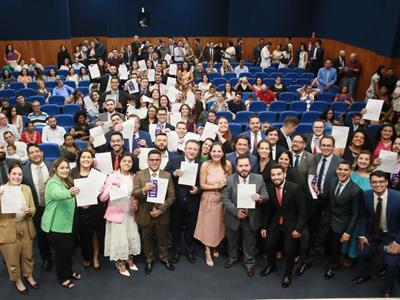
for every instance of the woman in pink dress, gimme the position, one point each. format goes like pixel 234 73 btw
pixel 385 137
pixel 210 228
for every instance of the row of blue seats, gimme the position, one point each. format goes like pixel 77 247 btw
pixel 17 86
pixel 31 95
pixel 232 75
pixel 252 80
pixel 242 117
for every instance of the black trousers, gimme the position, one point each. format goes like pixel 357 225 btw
pixel 100 224
pixel 86 230
pixel 42 237
pixel 326 235
pixel 63 245
pixel 183 223
pixel 290 248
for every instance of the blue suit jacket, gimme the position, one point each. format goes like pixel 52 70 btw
pixel 249 135
pixel 232 158
pixel 392 214
pixel 143 135
pixel 330 173
pixel 182 192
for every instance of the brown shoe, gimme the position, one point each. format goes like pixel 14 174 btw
pixel 250 271
pixel 229 263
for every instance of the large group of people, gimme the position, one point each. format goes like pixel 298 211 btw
pixel 269 190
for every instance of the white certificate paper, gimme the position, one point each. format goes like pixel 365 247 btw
pixel 152 131
pixel 97 179
pixel 123 72
pixel 132 86
pixel 373 108
pixel 142 64
pixel 244 192
pixel 128 127
pixel 88 192
pixel 147 99
pixel 189 173
pixel 340 133
pixel 209 131
pixel 388 161
pixel 104 162
pixel 119 193
pixel 150 74
pixel 12 200
pixel 171 81
pixel 94 71
pixel 162 186
pixel 175 118
pixel 98 134
pixel 173 68
pixel 89 104
pixel 168 57
pixel 143 158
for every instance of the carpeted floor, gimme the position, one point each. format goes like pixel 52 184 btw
pixel 196 281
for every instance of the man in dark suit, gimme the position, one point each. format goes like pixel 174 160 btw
pixel 317 57
pixel 135 47
pixel 186 206
pixel 283 219
pixel 115 93
pixel 209 54
pixel 154 218
pixel 338 220
pixel 255 133
pixel 314 139
pixel 242 147
pixel 105 81
pixel 339 63
pixel 379 226
pixel 272 135
pixel 242 221
pixel 302 160
pixel 36 172
pixel 140 138
pixel 289 126
pixel 128 56
pixel 162 117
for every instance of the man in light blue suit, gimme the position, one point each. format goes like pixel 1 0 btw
pixel 326 77
pixel 242 147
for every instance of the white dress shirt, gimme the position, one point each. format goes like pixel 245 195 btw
pixel 164 160
pixel 50 135
pixel 259 138
pixel 35 179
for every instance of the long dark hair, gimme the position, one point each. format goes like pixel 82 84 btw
pixel 287 152
pixel 67 181
pixel 223 158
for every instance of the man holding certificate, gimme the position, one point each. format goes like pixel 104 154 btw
pixel 185 172
pixel 283 219
pixel 242 196
pixel 155 192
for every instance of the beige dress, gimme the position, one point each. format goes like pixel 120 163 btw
pixel 210 228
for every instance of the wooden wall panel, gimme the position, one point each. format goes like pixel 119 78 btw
pixel 45 51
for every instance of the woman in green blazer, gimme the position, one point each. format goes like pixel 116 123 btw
pixel 58 219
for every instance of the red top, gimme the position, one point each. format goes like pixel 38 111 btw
pixel 35 139
pixel 266 96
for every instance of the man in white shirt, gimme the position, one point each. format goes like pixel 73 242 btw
pixel 241 68
pixel 179 52
pixel 20 146
pixel 265 56
pixel 52 133
pixel 77 65
pixel 272 135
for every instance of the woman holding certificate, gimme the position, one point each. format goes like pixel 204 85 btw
pixel 210 228
pixel 17 231
pixel 87 215
pixel 58 220
pixel 122 239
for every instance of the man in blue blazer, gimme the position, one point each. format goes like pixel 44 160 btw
pixel 31 169
pixel 186 206
pixel 242 146
pixel 140 138
pixel 255 133
pixel 380 226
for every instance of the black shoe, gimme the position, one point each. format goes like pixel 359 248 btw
pixel 148 268
pixel 360 279
pixel 175 258
pixel 286 281
pixel 329 274
pixel 23 292
pixel 191 258
pixel 301 269
pixel 34 286
pixel 47 265
pixel 267 270
pixel 381 272
pixel 168 265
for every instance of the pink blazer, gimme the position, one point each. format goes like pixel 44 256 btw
pixel 115 213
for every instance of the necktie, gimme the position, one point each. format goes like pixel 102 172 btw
pixel 279 198
pixel 338 190
pixel 255 142
pixel 154 175
pixel 40 185
pixel 376 224
pixel 116 162
pixel 321 174
pixel 244 181
pixel 3 173
pixel 296 161
pixel 159 89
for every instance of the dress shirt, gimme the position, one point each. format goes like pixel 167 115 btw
pixel 156 172
pixel 259 138
pixel 383 224
pixel 239 70
pixel 300 155
pixel 11 128
pixel 164 159
pixel 56 135
pixel 327 164
pixel 35 179
pixel 64 91
pixel 273 152
pixel 21 151
pixel 342 187
pixel 314 137
pixel 244 179
pixel 326 76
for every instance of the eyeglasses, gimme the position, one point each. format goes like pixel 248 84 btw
pixel 378 182
pixel 297 142
pixel 154 159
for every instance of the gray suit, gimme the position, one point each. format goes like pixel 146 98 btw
pixel 249 226
pixel 306 163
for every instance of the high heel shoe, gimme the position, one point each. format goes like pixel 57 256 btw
pixel 131 264
pixel 34 286
pixel 209 260
pixel 122 270
pixel 215 253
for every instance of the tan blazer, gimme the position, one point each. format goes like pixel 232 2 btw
pixel 8 232
pixel 143 214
